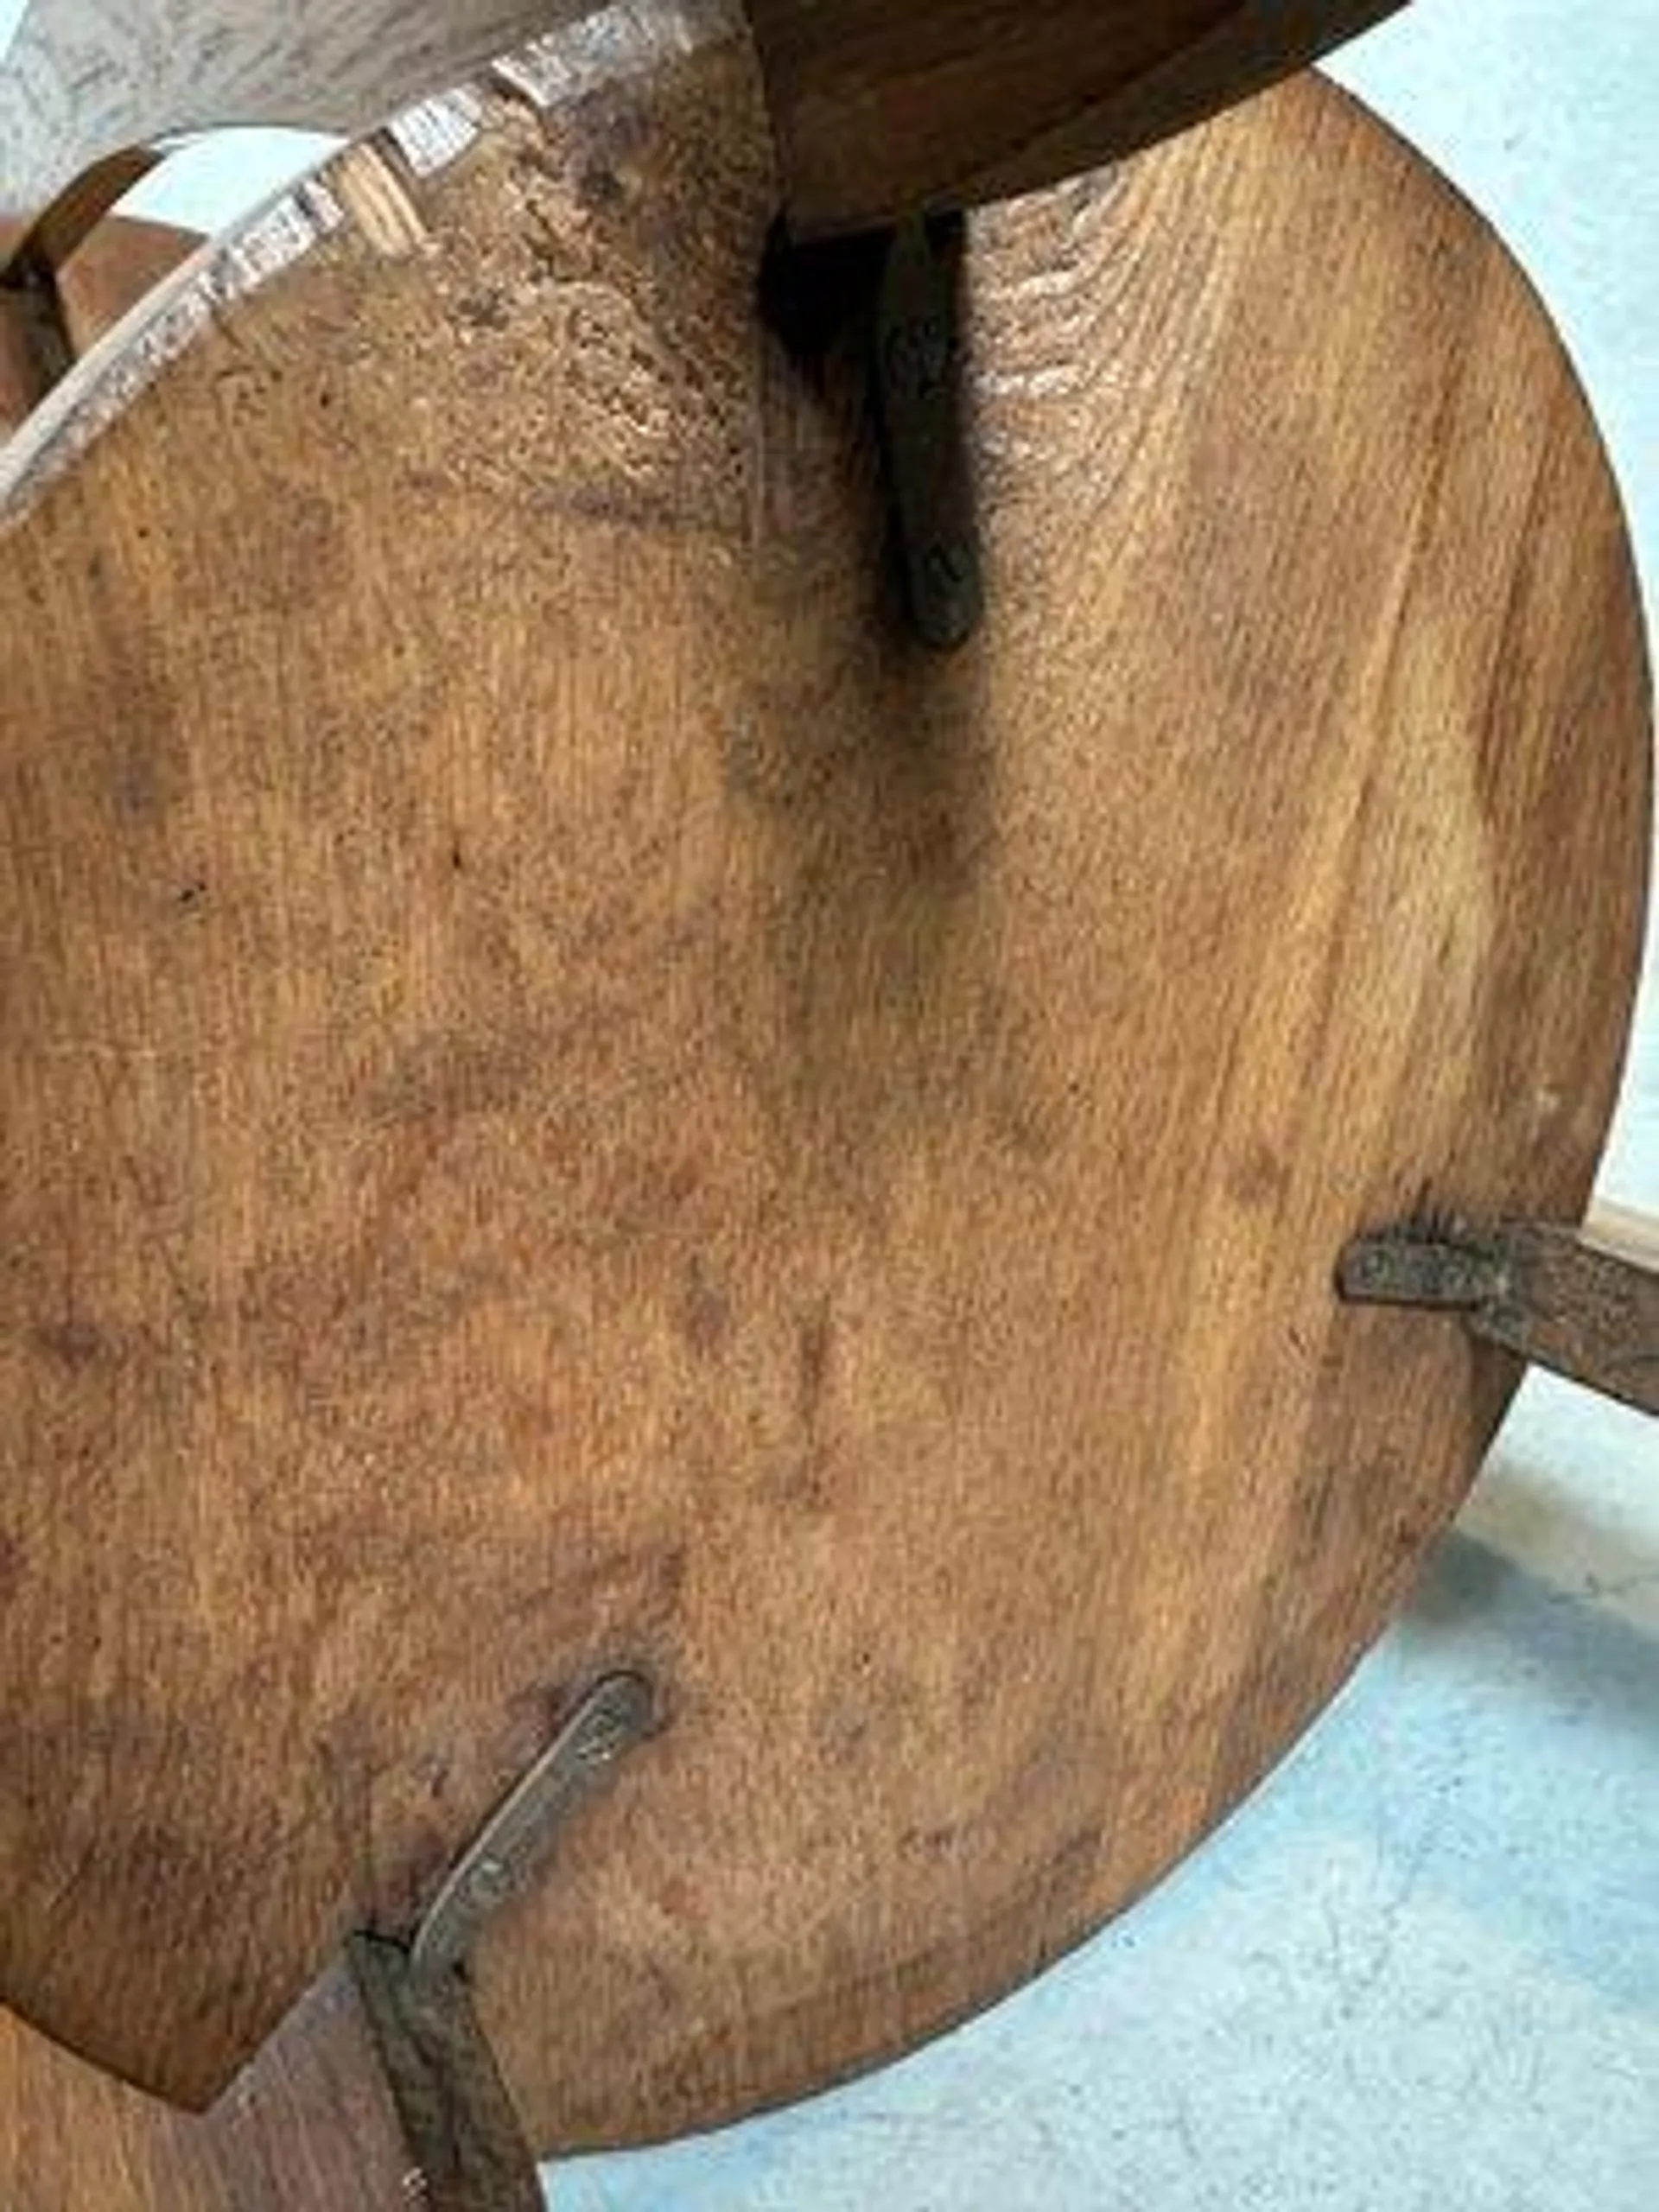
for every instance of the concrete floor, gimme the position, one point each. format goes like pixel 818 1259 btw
pixel 1420 1969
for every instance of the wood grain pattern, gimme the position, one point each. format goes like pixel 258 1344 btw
pixel 880 108
pixel 570 1100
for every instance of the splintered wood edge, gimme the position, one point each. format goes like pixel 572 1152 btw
pixel 365 187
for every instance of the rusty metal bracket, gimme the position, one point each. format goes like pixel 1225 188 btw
pixel 916 368
pixel 468 2152
pixel 610 1719
pixel 1538 1290
pixel 897 295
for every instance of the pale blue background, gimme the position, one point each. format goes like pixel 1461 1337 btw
pixel 1420 1969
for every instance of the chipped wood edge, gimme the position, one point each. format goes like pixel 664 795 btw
pixel 365 187
pixel 129 357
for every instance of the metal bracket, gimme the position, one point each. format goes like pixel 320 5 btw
pixel 456 2125
pixel 1539 1291
pixel 897 293
pixel 615 1715
pixel 916 361
pixel 455 2114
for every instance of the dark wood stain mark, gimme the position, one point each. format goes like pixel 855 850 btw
pixel 147 782
pixel 1259 1177
pixel 815 1340
pixel 447 1078
pixel 78 1344
pixel 706 1313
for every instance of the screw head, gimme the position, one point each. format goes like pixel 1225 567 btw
pixel 491 1882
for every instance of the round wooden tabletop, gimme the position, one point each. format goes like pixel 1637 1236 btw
pixel 570 1096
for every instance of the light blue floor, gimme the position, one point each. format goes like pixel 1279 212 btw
pixel 1421 1968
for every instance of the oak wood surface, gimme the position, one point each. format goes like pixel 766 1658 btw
pixel 571 1100
pixel 310 2127
pixel 955 102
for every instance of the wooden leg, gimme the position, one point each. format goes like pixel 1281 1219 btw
pixel 313 2125
pixel 44 330
pixel 379 2091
